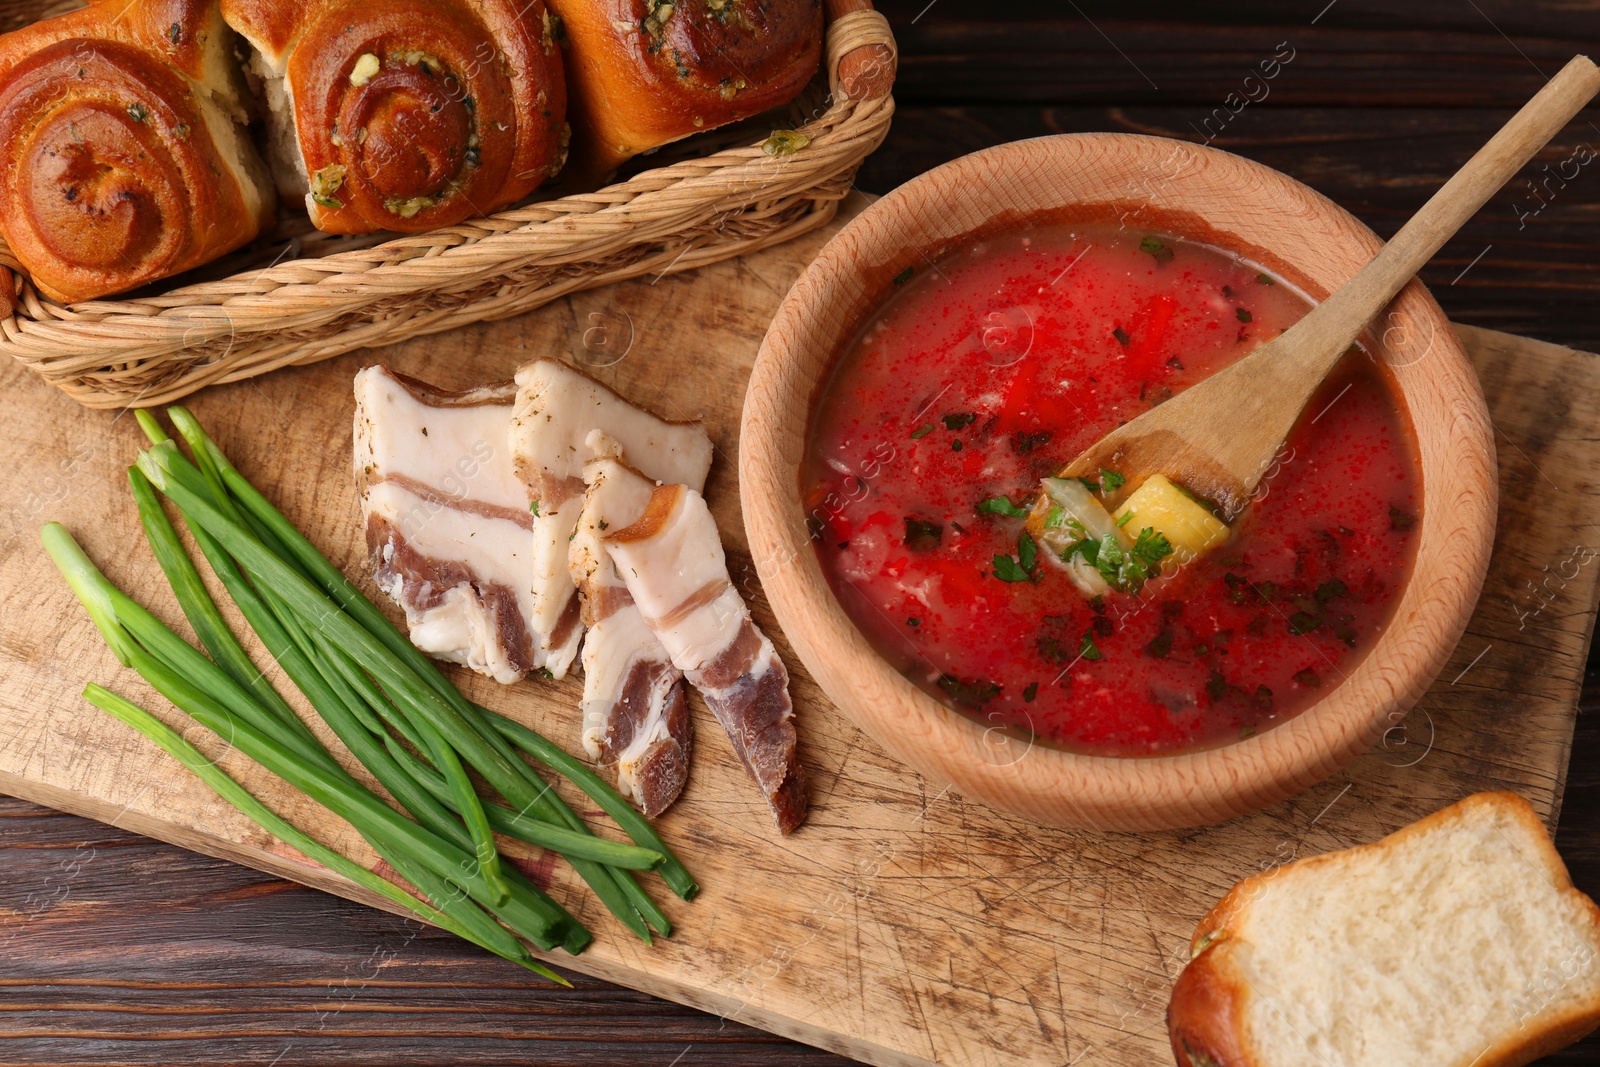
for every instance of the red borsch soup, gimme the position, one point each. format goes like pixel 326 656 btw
pixel 989 368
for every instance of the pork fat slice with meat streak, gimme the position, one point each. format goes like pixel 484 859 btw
pixel 557 407
pixel 672 562
pixel 635 718
pixel 447 520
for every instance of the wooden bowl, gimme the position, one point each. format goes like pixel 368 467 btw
pixel 1178 187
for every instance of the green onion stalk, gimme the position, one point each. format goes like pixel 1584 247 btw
pixel 402 719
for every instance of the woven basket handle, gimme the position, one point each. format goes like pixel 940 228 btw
pixel 860 49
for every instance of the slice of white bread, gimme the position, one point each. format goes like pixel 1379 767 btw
pixel 1457 941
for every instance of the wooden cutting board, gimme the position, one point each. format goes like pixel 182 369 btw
pixel 903 924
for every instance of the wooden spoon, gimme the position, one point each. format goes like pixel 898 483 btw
pixel 1218 437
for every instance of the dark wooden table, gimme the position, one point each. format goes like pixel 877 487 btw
pixel 118 949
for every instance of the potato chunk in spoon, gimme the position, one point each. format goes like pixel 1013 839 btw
pixel 1104 551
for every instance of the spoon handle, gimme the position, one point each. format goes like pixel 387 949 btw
pixel 1339 320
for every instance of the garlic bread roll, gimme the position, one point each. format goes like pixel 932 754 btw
pixel 646 72
pixel 407 114
pixel 124 157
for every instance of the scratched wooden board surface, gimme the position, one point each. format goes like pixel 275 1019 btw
pixel 903 924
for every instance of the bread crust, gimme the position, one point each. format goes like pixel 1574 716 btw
pixel 1206 1012
pixel 117 169
pixel 640 81
pixel 1203 1018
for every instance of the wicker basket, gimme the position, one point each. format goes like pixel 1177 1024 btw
pixel 153 349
